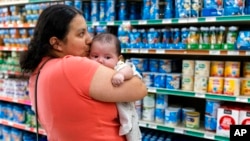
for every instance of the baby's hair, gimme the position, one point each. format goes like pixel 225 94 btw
pixel 108 38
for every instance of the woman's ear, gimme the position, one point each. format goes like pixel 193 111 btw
pixel 55 43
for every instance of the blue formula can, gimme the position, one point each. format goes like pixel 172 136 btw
pixel 153 65
pixel 86 10
pixel 122 10
pixel 68 2
pixel 159 80
pixel 211 107
pixel 78 4
pixel 102 11
pixel 173 81
pixel 165 66
pixel 110 12
pixel 148 78
pixel 94 11
pixel 171 116
pixel 141 64
pixel 210 123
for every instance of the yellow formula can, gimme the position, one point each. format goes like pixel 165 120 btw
pixel 231 86
pixel 192 120
pixel 217 68
pixel 246 69
pixel 232 69
pixel 245 86
pixel 215 85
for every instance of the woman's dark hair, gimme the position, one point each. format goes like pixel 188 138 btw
pixel 108 38
pixel 53 21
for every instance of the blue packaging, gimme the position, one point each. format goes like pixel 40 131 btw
pixel 234 3
pixel 153 65
pixel 184 35
pixel 206 12
pixel 160 80
pixel 122 10
pixel 94 14
pixel 210 123
pixel 16 134
pixel 102 11
pixel 6 131
pixel 141 64
pixel 154 9
pixel 173 81
pixel 110 10
pixel 211 107
pixel 68 2
pixel 159 115
pixel 165 36
pixel 214 4
pixel 153 37
pixel 86 10
pixel 171 116
pixel 233 11
pixel 165 66
pixel 146 9
pixel 176 35
pixel 148 78
pixel 133 12
pixel 78 4
pixel 243 42
pixel 161 101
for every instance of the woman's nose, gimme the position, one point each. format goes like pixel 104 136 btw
pixel 89 39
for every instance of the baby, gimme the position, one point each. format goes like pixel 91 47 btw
pixel 106 50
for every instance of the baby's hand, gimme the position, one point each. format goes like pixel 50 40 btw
pixel 117 79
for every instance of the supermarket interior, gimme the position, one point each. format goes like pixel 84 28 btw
pixel 193 56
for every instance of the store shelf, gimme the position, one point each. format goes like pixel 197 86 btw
pixel 17 25
pixel 201 133
pixel 221 97
pixel 5 48
pixel 238 18
pixel 188 52
pixel 14 100
pixel 17 2
pixel 22 126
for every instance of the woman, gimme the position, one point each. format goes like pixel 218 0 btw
pixel 76 99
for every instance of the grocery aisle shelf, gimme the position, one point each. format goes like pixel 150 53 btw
pixel 12 48
pixel 20 101
pixel 239 18
pixel 17 25
pixel 201 133
pixel 17 2
pixel 21 126
pixel 188 52
pixel 221 97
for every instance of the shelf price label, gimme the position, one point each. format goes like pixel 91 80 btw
pixel 182 20
pixel 134 50
pixel 193 20
pixel 126 22
pixel 111 23
pixel 209 136
pixel 247 53
pixel 233 53
pixel 210 19
pixel 166 21
pixel 179 130
pixel 142 124
pixel 142 22
pixel 96 23
pixel 214 52
pixel 152 90
pixel 143 50
pixel 152 126
pixel 200 95
pixel 160 51
pixel 242 99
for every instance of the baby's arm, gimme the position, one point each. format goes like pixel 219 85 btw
pixel 124 72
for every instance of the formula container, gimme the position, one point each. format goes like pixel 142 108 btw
pixel 138 107
pixel 160 106
pixel 217 68
pixel 202 67
pixel 160 80
pixel 215 85
pixel 165 65
pixel 232 69
pixel 148 109
pixel 200 84
pixel 141 64
pixel 187 83
pixel 192 120
pixel 231 86
pixel 171 116
pixel 148 78
pixel 246 69
pixel 245 86
pixel 211 107
pixel 188 67
pixel 153 65
pixel 210 123
pixel 183 113
pixel 173 81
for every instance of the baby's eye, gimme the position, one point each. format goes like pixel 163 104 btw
pixel 107 57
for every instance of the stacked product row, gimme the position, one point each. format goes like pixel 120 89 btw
pixel 9 61
pixel 201 76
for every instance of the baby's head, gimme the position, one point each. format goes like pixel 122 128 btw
pixel 105 49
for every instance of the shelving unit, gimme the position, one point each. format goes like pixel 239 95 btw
pixel 201 133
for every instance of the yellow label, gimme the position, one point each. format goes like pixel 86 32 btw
pixel 215 85
pixel 231 86
pixel 217 68
pixel 232 69
pixel 245 87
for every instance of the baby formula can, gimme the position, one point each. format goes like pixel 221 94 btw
pixel 110 10
pixel 183 114
pixel 211 107
pixel 148 107
pixel 173 81
pixel 232 69
pixel 187 83
pixel 154 65
pixel 171 116
pixel 138 107
pixel 192 120
pixel 159 80
pixel 246 69
pixel 210 123
pixel 217 68
pixel 161 104
pixel 78 4
pixel 245 86
pixel 94 11
pixel 165 65
pixel 215 85
pixel 231 86
pixel 202 67
pixel 148 78
pixel 102 10
pixel 141 64
pixel 188 67
pixel 200 84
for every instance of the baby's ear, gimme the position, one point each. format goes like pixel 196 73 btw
pixel 121 58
